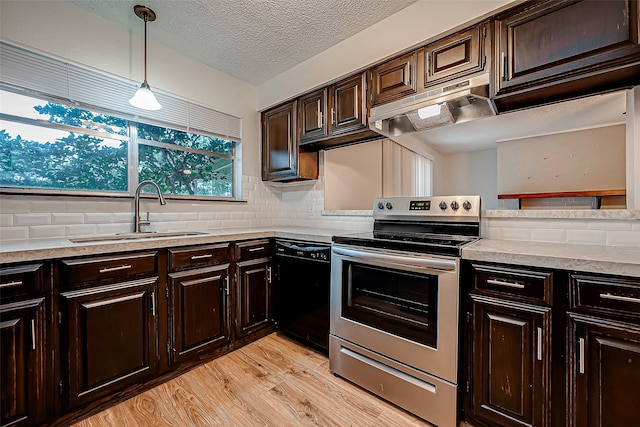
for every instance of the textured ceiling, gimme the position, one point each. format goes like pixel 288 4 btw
pixel 253 40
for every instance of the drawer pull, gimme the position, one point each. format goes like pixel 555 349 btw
pixel 110 269
pixel 620 298
pixel 509 284
pixel 201 256
pixel 261 248
pixel 581 355
pixel 9 284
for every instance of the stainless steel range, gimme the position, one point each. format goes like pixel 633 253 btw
pixel 395 302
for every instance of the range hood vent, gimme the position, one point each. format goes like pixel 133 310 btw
pixel 457 103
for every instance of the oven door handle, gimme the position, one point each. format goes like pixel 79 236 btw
pixel 424 262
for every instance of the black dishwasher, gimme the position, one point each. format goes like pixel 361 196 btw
pixel 301 291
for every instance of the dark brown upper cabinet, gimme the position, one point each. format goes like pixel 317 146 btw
pixel 554 50
pixel 335 114
pixel 455 56
pixel 394 79
pixel 281 156
pixel 312 116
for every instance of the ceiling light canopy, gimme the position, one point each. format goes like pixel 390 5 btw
pixel 144 98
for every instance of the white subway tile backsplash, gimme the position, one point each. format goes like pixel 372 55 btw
pixel 47 205
pixel 513 233
pixel 32 219
pixel 636 226
pixel 14 205
pixel 46 231
pixel 623 238
pixel 113 228
pixel 98 218
pixel 6 220
pixel 610 225
pixel 67 218
pixel 549 235
pixel 14 233
pixel 81 230
pixel 586 237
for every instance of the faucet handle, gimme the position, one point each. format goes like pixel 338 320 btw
pixel 144 221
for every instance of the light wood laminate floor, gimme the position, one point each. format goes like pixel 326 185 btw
pixel 271 382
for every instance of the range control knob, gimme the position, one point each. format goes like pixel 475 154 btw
pixel 380 205
pixel 389 205
pixel 455 206
pixel 466 205
pixel 443 206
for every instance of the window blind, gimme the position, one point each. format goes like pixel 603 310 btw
pixel 25 69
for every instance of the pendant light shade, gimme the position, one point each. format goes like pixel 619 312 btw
pixel 144 98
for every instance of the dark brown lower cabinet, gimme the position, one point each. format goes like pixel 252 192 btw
pixel 22 363
pixel 253 296
pixel 200 311
pixel 604 372
pixel 108 339
pixel 510 363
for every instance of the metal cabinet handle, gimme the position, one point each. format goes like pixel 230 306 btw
pixel 581 355
pixel 110 269
pixel 153 304
pixel 9 284
pixel 509 284
pixel 333 120
pixel 269 274
pixel 226 280
pixel 33 334
pixel 319 115
pixel 539 343
pixel 503 66
pixel 620 298
pixel 194 257
pixel 261 248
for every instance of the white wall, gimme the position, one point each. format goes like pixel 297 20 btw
pixel 409 27
pixel 472 172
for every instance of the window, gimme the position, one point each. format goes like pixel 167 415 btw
pixel 69 129
pixel 49 145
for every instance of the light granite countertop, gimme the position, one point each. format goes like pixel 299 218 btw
pixel 42 249
pixel 618 260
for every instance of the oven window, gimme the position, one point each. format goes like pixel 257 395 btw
pixel 398 302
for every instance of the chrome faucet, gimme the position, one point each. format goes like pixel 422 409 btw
pixel 137 222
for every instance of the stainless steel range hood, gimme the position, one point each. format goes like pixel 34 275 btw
pixel 456 103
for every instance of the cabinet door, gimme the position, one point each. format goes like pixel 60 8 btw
pixel 394 79
pixel 569 42
pixel 455 56
pixel 312 116
pixel 348 109
pixel 109 335
pixel 280 143
pixel 604 372
pixel 253 296
pixel 511 359
pixel 22 363
pixel 200 315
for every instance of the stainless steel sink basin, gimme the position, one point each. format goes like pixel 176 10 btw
pixel 135 236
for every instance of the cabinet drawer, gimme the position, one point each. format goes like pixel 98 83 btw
pixel 253 249
pixel 606 295
pixel 198 256
pixel 20 280
pixel 523 284
pixel 108 268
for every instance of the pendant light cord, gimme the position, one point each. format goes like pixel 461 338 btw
pixel 145 47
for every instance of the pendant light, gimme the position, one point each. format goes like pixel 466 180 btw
pixel 144 98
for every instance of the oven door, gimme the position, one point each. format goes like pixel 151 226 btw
pixel 398 304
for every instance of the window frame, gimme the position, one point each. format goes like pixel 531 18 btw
pixel 132 151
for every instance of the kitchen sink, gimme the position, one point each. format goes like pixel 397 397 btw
pixel 136 236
